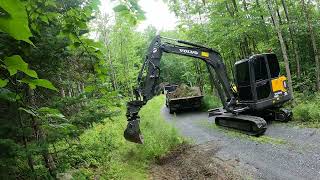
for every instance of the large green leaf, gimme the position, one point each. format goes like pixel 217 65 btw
pixel 27 111
pixel 44 83
pixel 33 83
pixel 51 113
pixel 15 22
pixel 3 83
pixel 15 63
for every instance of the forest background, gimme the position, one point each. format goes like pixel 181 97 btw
pixel 67 70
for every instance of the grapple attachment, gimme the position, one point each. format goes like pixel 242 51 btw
pixel 132 133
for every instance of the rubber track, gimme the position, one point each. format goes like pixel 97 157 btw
pixel 251 125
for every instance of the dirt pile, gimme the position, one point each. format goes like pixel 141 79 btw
pixel 185 91
pixel 187 162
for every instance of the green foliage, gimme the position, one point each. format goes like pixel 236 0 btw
pixel 78 126
pixel 210 102
pixel 307 109
pixel 3 83
pixel 14 21
pixel 15 63
pixel 158 135
pixel 130 10
pixel 33 83
pixel 103 152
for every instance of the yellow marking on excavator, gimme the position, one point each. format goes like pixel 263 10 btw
pixel 234 88
pixel 278 84
pixel 205 54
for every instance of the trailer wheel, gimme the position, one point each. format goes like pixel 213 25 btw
pixel 171 111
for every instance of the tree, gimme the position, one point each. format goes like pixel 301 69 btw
pixel 313 40
pixel 293 41
pixel 282 44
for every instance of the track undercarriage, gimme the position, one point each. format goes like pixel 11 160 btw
pixel 251 123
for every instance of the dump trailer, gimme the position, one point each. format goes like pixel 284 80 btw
pixel 183 98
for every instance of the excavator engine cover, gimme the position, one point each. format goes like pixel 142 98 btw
pixel 132 133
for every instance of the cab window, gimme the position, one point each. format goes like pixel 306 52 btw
pixel 242 73
pixel 260 68
pixel 273 65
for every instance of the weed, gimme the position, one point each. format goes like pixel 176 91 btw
pixel 210 102
pixel 307 111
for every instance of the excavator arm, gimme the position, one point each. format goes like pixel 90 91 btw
pixel 146 89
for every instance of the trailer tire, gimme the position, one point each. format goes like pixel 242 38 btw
pixel 171 111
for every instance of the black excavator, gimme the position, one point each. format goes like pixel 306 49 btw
pixel 258 93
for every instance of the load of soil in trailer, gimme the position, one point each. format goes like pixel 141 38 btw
pixel 185 91
pixel 184 98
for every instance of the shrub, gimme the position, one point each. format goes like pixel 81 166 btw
pixel 307 109
pixel 210 102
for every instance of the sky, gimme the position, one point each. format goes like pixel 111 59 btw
pixel 156 11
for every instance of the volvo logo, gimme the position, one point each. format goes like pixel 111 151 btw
pixel 188 51
pixel 154 50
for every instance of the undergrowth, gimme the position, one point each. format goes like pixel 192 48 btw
pixel 210 102
pixel 107 155
pixel 306 110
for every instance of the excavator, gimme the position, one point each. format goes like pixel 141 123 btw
pixel 256 95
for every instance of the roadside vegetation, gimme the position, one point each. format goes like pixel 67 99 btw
pixel 306 110
pixel 210 102
pixel 104 152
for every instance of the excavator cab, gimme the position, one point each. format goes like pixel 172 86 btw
pixel 259 82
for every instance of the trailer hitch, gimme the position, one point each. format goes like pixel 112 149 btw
pixel 132 133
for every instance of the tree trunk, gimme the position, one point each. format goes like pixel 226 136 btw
pixel 62 91
pixel 314 44
pixel 293 41
pixel 282 44
pixel 245 5
pixel 47 157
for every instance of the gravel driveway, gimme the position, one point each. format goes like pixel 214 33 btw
pixel 284 152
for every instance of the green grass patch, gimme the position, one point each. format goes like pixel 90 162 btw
pixel 106 154
pixel 306 111
pixel 210 102
pixel 233 133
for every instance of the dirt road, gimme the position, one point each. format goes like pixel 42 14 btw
pixel 284 152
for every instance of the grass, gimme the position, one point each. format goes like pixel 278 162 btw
pixel 306 111
pixel 107 155
pixel 233 133
pixel 210 102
